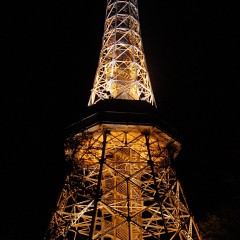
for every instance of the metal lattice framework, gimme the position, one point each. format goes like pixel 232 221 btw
pixel 122 71
pixel 122 187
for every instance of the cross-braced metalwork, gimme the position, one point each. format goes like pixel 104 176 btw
pixel 122 70
pixel 122 187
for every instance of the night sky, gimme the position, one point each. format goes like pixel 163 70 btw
pixel 50 53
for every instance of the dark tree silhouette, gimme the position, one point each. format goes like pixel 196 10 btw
pixel 222 225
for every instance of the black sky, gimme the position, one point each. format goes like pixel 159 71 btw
pixel 51 53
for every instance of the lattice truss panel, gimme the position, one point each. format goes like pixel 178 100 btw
pixel 122 187
pixel 122 71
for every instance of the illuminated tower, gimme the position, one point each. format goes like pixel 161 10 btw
pixel 122 184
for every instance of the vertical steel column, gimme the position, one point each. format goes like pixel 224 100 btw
pixel 151 164
pixel 97 196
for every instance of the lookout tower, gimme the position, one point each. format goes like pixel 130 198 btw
pixel 122 184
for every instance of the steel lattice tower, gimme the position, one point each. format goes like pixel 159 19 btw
pixel 122 184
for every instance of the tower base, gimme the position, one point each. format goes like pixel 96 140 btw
pixel 122 185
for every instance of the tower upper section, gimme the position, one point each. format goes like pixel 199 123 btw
pixel 122 70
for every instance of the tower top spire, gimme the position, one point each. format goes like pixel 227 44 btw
pixel 122 70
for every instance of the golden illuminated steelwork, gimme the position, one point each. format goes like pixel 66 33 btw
pixel 122 187
pixel 122 184
pixel 122 70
